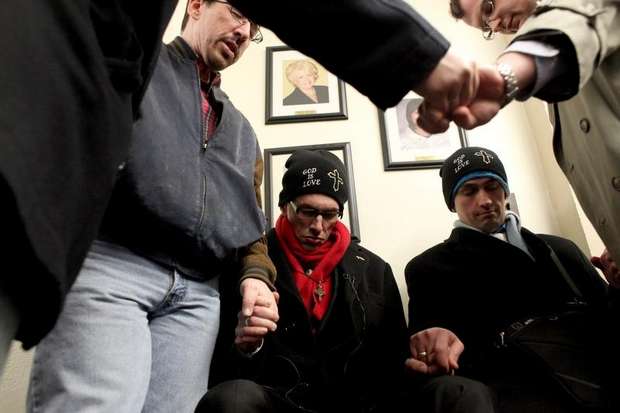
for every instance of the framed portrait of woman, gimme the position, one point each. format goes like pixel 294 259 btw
pixel 300 90
pixel 407 146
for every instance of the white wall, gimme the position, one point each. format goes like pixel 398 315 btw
pixel 14 382
pixel 401 213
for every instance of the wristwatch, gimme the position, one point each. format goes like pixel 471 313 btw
pixel 511 84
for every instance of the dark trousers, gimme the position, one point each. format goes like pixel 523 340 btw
pixel 519 384
pixel 445 394
pixel 533 392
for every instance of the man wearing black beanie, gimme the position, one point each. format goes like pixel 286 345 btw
pixel 491 273
pixel 314 172
pixel 469 163
pixel 342 340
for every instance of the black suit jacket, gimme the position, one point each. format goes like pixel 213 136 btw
pixel 476 285
pixel 69 96
pixel 390 49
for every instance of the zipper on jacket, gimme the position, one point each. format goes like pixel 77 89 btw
pixel 203 131
pixel 204 117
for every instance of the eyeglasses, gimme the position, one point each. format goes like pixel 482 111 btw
pixel 255 35
pixel 486 9
pixel 310 214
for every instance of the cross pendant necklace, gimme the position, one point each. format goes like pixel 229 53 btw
pixel 318 291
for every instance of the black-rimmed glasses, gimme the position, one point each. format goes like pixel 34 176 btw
pixel 310 214
pixel 255 35
pixel 486 9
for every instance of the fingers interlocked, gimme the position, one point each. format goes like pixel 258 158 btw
pixel 434 351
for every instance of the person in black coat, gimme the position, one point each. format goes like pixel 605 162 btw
pixel 341 342
pixel 73 75
pixel 59 163
pixel 490 273
pixel 147 297
pixel 399 50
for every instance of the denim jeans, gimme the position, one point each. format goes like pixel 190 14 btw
pixel 133 336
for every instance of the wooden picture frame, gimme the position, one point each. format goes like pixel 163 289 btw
pixel 406 146
pixel 325 98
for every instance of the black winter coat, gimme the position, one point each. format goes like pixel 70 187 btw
pixel 73 74
pixel 476 285
pixel 356 359
pixel 390 41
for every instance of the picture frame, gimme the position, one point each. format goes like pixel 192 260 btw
pixel 275 159
pixel 286 103
pixel 406 146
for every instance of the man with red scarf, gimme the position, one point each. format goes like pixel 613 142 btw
pixel 341 341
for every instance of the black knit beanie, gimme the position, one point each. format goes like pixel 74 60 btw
pixel 470 163
pixel 314 172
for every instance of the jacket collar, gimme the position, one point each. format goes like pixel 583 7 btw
pixel 182 49
pixel 462 234
pixel 354 262
pixel 472 240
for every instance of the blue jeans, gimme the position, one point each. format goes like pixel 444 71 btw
pixel 133 336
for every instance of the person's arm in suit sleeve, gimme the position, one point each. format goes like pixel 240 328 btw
pixel 584 33
pixel 383 48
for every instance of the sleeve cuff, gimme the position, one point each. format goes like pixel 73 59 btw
pixel 253 352
pixel 258 273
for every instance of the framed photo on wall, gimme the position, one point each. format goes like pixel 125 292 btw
pixel 275 159
pixel 406 146
pixel 301 90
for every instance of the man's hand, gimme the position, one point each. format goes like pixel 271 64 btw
pixel 609 268
pixel 258 315
pixel 434 351
pixel 487 100
pixel 481 109
pixel 453 83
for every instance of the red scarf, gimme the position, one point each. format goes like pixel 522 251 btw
pixel 315 289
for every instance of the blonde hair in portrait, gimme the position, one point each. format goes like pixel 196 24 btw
pixel 302 67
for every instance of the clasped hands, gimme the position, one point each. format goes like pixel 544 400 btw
pixel 434 351
pixel 258 315
pixel 461 91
